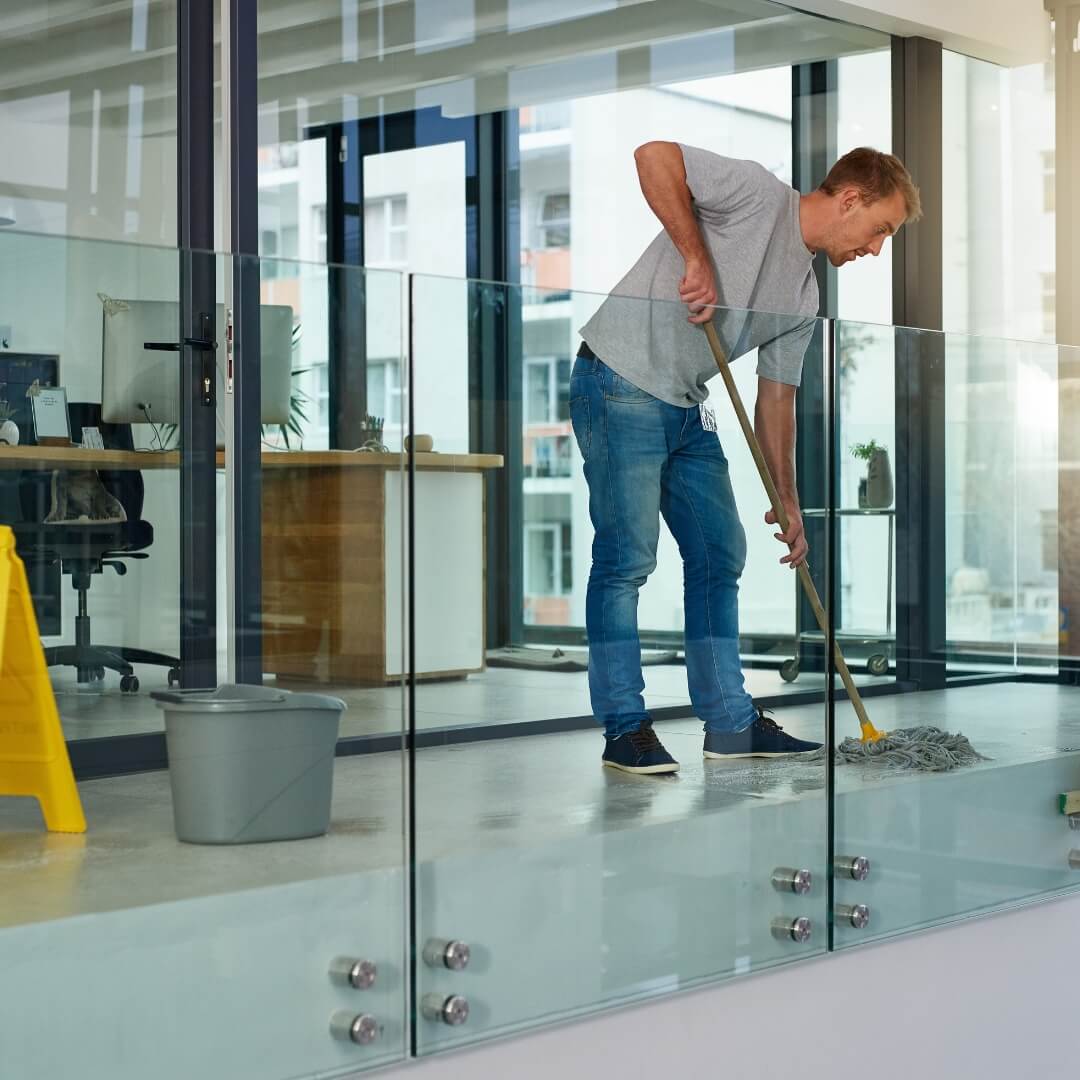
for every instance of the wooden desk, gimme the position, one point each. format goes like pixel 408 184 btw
pixel 74 457
pixel 333 552
pixel 334 565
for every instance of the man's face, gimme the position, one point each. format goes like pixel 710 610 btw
pixel 860 229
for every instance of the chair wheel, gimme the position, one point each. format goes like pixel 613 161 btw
pixel 174 677
pixel 99 673
pixel 878 664
pixel 789 670
pixel 129 684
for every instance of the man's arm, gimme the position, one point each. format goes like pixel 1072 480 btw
pixel 774 425
pixel 662 173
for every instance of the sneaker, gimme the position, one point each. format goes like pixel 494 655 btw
pixel 639 752
pixel 763 738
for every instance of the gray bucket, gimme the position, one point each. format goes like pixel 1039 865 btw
pixel 250 763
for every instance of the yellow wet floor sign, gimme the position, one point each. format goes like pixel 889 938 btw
pixel 33 757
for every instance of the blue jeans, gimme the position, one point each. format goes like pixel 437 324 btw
pixel 644 458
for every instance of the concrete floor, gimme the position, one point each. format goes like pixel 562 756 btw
pixel 477 796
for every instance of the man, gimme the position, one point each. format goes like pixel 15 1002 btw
pixel 737 237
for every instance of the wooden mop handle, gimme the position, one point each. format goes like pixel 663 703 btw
pixel 869 731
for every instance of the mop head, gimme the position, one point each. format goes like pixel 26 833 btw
pixel 928 749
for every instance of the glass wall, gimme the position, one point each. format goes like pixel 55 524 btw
pixel 446 195
pixel 998 187
pixel 573 91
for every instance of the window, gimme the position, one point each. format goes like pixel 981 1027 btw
pixel 386 232
pixel 284 155
pixel 384 390
pixel 1048 520
pixel 547 390
pixel 318 233
pixel 555 220
pixel 548 455
pixel 322 396
pixel 537 393
pixel 550 116
pixel 1049 302
pixel 548 559
pixel 277 247
pixel 1049 177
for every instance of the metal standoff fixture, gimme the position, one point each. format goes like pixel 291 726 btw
pixel 787 879
pixel 856 915
pixel 786 928
pixel 361 1029
pixel 852 866
pixel 452 1010
pixel 442 953
pixel 359 974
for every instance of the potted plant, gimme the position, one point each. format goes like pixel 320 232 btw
pixel 9 430
pixel 876 488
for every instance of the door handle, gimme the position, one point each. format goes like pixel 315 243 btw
pixel 175 346
pixel 206 345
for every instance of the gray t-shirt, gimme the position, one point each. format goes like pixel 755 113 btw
pixel 765 281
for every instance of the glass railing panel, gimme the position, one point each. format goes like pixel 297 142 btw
pixel 575 886
pixel 246 853
pixel 981 572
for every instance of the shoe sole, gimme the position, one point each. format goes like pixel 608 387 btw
pixel 712 754
pixel 642 770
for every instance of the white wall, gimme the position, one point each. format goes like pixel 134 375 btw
pixel 991 998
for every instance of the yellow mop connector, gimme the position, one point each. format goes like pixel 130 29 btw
pixel 870 734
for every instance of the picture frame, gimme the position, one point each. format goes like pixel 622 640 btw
pixel 48 406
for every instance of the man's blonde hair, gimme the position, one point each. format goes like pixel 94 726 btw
pixel 876 176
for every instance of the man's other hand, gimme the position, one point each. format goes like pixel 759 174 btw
pixel 795 538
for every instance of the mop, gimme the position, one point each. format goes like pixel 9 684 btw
pixel 926 748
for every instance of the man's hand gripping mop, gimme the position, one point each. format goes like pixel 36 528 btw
pixel 927 748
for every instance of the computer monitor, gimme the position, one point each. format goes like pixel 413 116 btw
pixel 140 384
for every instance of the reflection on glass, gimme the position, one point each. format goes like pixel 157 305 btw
pixel 90 150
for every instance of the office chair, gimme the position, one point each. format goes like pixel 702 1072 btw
pixel 83 550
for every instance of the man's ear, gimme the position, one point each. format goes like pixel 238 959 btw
pixel 849 199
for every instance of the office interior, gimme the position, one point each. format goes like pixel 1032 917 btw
pixel 437 198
